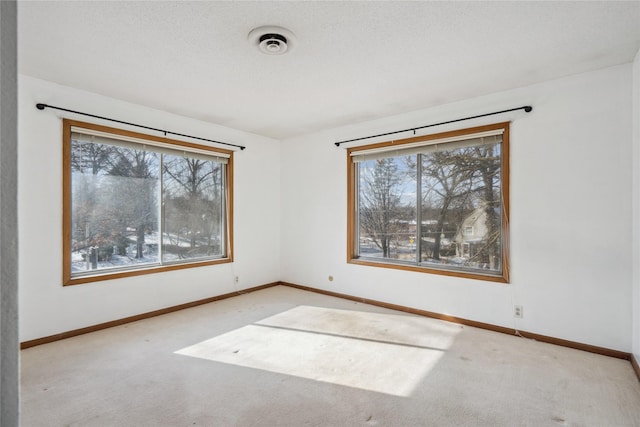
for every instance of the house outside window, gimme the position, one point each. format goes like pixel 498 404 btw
pixel 137 204
pixel 436 204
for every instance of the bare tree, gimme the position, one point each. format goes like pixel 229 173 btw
pixel 486 162
pixel 192 199
pixel 90 158
pixel 136 203
pixel 462 180
pixel 89 165
pixel 381 209
pixel 448 185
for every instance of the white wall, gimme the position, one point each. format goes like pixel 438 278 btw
pixel 46 307
pixel 636 208
pixel 570 213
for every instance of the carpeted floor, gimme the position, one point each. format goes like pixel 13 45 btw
pixel 286 357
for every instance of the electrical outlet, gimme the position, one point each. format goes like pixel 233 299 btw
pixel 237 280
pixel 517 311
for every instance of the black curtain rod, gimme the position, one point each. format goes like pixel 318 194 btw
pixel 526 108
pixel 43 106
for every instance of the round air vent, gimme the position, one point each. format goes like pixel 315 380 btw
pixel 272 40
pixel 273 44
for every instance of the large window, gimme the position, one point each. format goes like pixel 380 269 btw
pixel 437 203
pixel 136 204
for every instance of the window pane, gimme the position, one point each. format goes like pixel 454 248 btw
pixel 193 206
pixel 461 208
pixel 387 208
pixel 114 203
pixel 433 203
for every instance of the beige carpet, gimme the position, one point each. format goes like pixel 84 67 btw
pixel 285 357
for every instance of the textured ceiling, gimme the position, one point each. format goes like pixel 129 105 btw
pixel 353 61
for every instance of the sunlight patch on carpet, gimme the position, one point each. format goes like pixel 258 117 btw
pixel 385 353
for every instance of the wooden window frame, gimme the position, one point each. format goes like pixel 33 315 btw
pixel 67 278
pixel 353 258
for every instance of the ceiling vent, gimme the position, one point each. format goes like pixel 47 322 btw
pixel 272 40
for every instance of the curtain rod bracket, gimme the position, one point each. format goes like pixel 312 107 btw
pixel 41 107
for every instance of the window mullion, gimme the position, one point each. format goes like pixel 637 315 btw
pixel 418 208
pixel 224 206
pixel 161 210
pixel 356 191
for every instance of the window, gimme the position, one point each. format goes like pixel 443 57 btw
pixel 137 204
pixel 437 204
